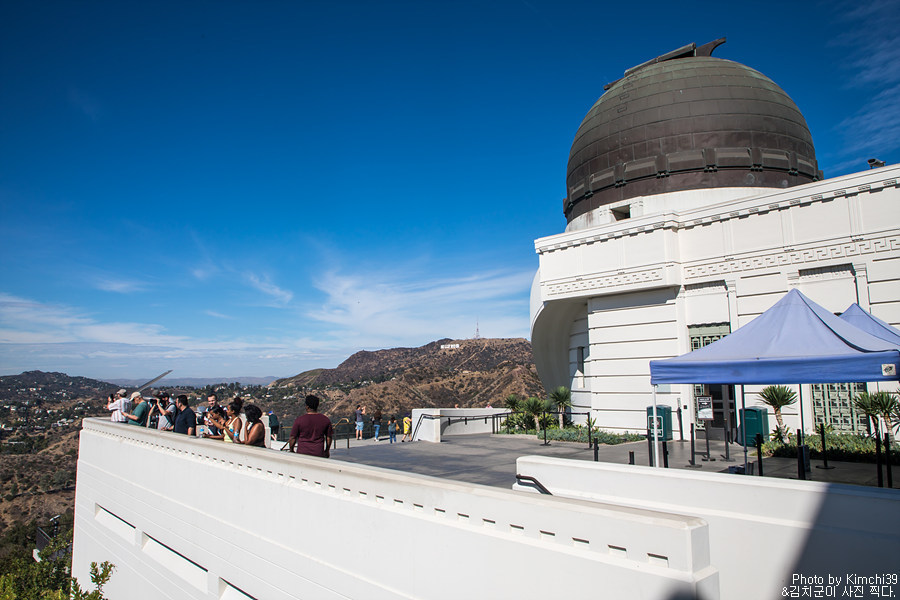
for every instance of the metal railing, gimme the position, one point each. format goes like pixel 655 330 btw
pixel 535 482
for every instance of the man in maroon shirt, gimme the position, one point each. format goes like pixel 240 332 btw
pixel 312 433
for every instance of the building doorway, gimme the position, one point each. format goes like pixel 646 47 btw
pixel 724 410
pixel 724 416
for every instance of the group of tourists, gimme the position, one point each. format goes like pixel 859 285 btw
pixel 235 423
pixel 214 421
pixel 171 415
pixel 312 432
pixel 376 424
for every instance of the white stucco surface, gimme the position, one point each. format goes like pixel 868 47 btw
pixel 191 518
pixel 762 531
pixel 626 292
pixel 431 424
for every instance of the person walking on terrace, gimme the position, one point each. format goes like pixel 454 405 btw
pixel 312 432
pixel 392 429
pixel 376 422
pixel 407 427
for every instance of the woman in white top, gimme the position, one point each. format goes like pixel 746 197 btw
pixel 232 426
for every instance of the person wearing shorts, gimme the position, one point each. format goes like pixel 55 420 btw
pixel 360 411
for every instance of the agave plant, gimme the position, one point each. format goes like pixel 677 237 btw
pixel 561 398
pixel 778 396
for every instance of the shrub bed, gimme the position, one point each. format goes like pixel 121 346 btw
pixel 580 434
pixel 841 446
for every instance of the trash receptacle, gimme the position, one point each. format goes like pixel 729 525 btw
pixel 663 429
pixel 753 420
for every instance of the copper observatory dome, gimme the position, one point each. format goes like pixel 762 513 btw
pixel 686 121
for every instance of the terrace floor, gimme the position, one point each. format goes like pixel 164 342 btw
pixel 491 459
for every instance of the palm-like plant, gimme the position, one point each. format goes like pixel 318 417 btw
pixel 533 408
pixel 884 405
pixel 513 402
pixel 777 397
pixel 561 398
pixel 878 404
pixel 863 403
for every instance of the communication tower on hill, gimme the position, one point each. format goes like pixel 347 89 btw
pixel 477 333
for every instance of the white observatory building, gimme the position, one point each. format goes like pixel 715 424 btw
pixel 694 202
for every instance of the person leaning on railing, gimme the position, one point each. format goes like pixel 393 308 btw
pixel 256 431
pixel 215 418
pixel 230 422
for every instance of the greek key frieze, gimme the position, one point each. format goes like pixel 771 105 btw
pixel 794 257
pixel 603 282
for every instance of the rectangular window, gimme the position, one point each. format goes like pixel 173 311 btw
pixel 620 213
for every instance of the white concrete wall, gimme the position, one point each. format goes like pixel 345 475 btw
pixel 723 259
pixel 761 531
pixel 189 518
pixel 435 423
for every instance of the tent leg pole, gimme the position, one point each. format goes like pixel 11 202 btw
pixel 744 427
pixel 655 431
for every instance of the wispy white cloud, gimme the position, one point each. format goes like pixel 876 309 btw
pixel 406 308
pixel 204 272
pixel 876 127
pixel 36 335
pixel 121 286
pixel 219 315
pixel 263 284
pixel 23 320
pixel 871 45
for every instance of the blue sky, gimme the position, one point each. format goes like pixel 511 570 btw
pixel 259 188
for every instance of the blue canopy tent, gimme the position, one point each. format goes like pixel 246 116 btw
pixel 871 324
pixel 795 341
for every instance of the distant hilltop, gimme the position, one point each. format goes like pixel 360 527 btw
pixel 196 382
pixel 442 355
pixel 39 386
pixel 470 373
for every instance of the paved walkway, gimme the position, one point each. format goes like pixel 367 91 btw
pixel 491 459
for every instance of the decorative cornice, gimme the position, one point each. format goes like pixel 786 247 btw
pixel 736 209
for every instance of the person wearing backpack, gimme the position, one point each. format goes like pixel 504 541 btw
pixel 392 429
